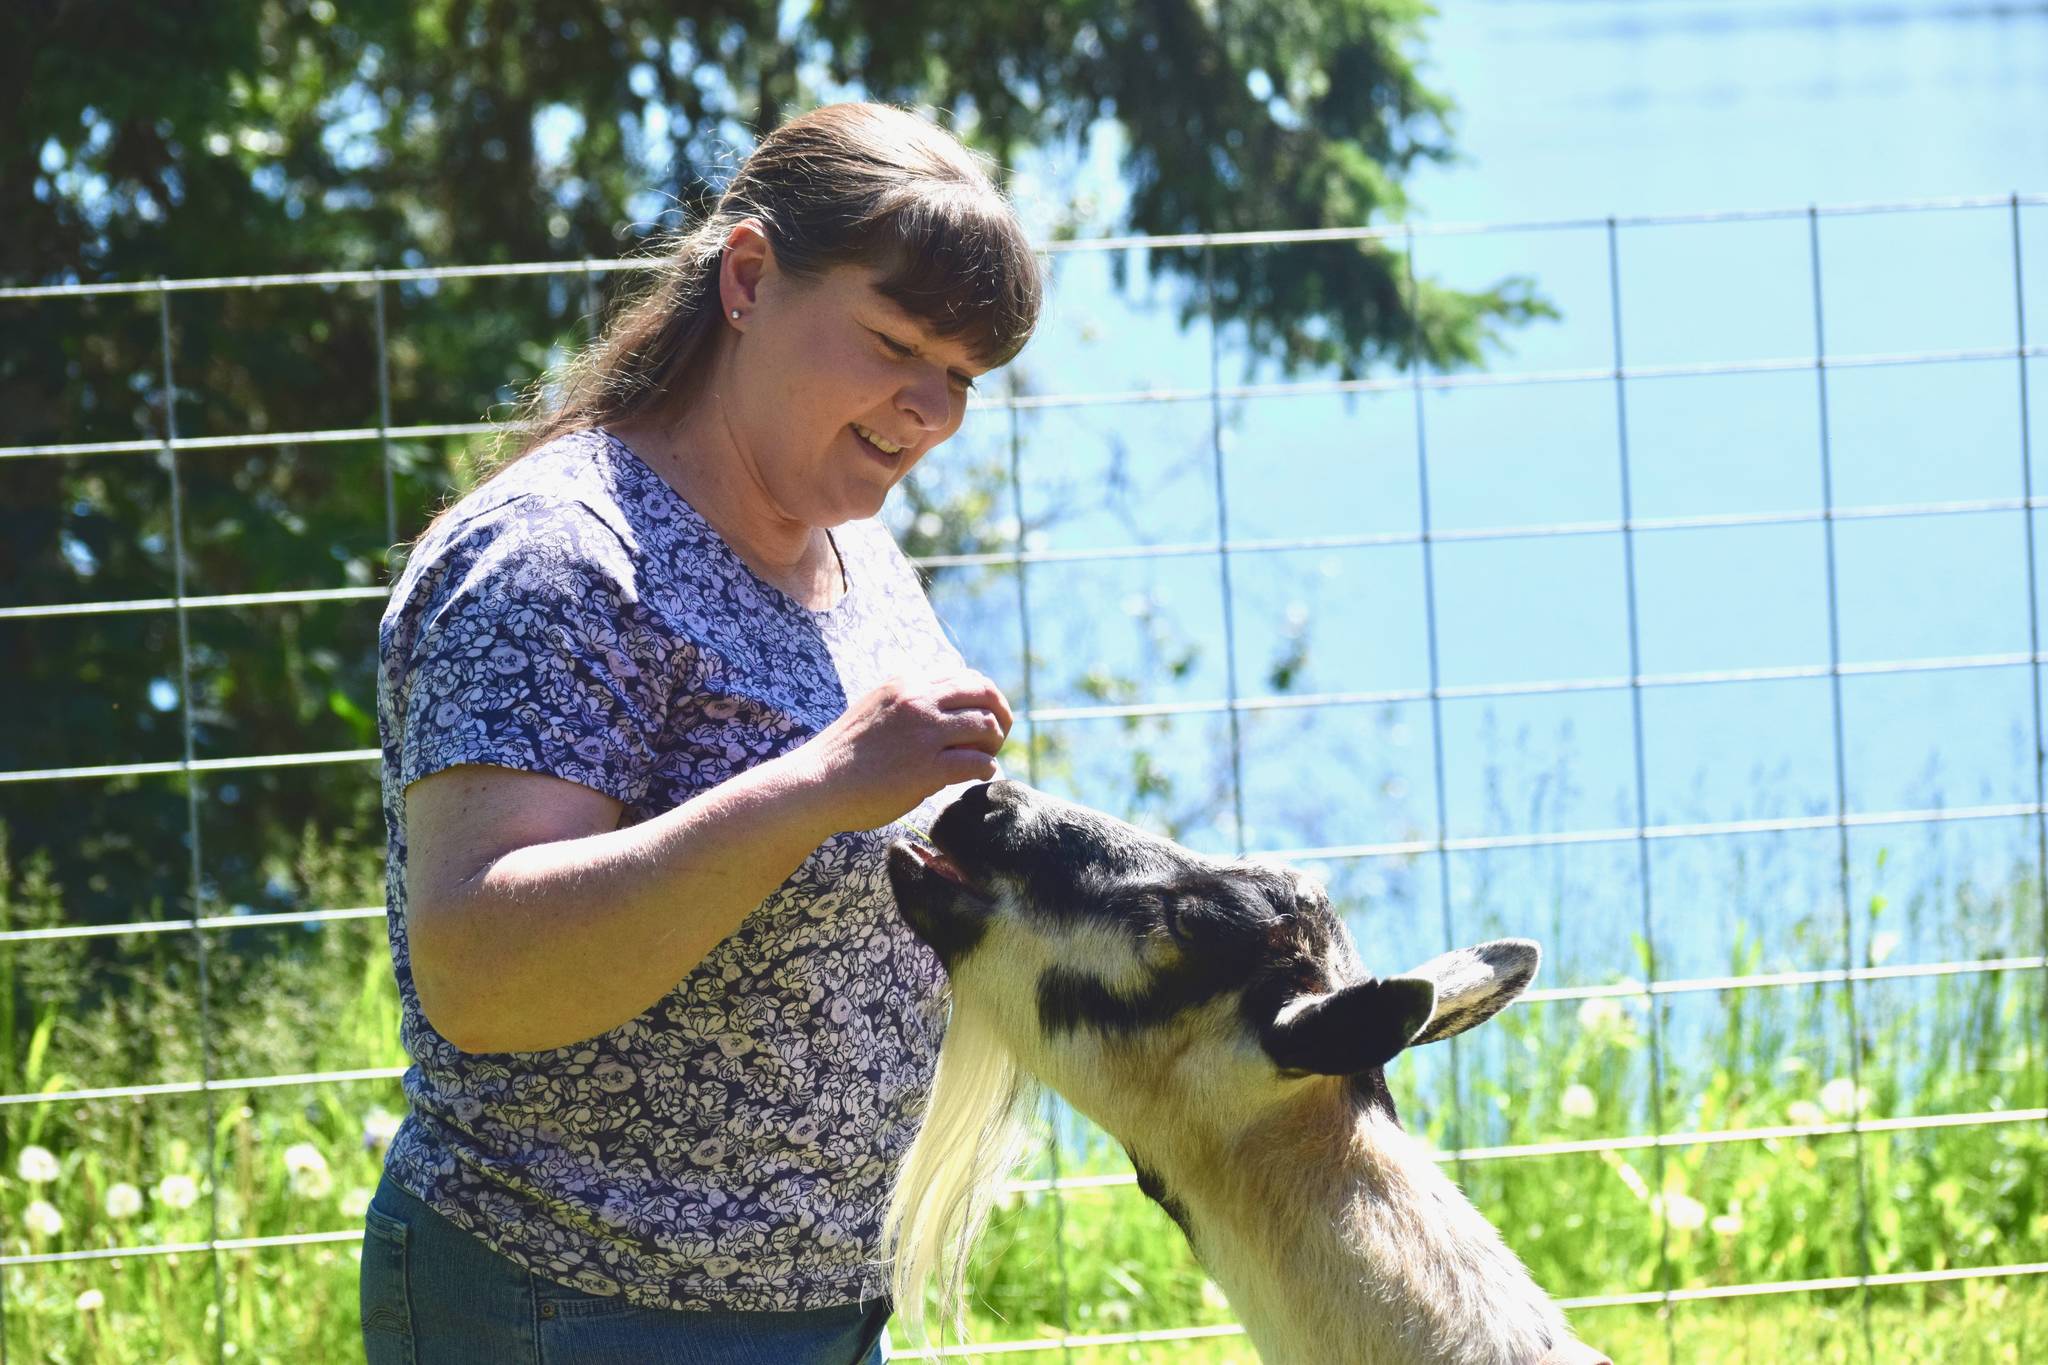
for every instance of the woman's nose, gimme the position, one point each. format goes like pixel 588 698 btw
pixel 928 399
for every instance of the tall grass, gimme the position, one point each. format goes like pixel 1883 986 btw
pixel 161 1169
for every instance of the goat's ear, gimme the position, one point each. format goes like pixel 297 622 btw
pixel 1351 1030
pixel 1474 984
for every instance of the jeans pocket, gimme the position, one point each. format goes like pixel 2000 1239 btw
pixel 385 1301
pixel 557 1300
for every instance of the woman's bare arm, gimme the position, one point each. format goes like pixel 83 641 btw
pixel 534 921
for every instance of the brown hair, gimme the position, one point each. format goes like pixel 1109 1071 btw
pixel 847 184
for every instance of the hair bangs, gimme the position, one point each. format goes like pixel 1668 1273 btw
pixel 958 261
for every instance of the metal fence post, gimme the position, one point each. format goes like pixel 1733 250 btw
pixel 197 876
pixel 1642 784
pixel 1827 476
pixel 1436 680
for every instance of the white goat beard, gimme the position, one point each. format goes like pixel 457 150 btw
pixel 974 1132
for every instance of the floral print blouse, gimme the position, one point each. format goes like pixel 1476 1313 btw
pixel 733 1146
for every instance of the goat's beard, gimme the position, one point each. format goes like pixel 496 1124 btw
pixel 975 1128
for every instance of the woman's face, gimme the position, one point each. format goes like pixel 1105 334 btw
pixel 836 393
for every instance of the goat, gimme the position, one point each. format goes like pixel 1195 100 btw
pixel 1214 1018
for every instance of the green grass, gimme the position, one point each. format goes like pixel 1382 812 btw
pixel 81 1013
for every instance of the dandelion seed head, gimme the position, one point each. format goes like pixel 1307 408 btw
pixel 1804 1112
pixel 1602 1014
pixel 42 1219
pixel 379 1128
pixel 1843 1097
pixel 37 1165
pixel 1683 1212
pixel 123 1200
pixel 309 1175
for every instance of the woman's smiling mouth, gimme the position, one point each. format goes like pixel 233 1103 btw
pixel 887 447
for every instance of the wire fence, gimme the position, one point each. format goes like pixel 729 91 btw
pixel 1232 705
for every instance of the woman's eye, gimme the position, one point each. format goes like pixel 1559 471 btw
pixel 894 345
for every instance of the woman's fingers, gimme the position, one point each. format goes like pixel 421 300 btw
pixel 966 765
pixel 975 729
pixel 971 691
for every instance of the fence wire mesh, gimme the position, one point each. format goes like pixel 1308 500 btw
pixel 1236 827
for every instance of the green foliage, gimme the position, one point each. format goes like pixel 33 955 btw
pixel 1099 1259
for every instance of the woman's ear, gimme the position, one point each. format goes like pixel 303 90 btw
pixel 747 261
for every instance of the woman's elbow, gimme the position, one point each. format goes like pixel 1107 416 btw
pixel 439 979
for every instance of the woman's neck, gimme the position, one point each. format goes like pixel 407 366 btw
pixel 698 457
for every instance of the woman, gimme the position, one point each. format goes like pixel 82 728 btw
pixel 652 699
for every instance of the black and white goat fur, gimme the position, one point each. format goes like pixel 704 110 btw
pixel 1213 1016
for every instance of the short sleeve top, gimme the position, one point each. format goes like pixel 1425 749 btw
pixel 732 1147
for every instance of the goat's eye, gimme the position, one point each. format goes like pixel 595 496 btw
pixel 1174 917
pixel 1149 912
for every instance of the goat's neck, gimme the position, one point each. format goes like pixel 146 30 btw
pixel 1337 1237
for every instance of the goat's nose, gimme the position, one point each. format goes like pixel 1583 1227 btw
pixel 984 800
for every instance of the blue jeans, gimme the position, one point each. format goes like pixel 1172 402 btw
pixel 433 1294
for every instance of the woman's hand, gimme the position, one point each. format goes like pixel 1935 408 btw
pixel 903 741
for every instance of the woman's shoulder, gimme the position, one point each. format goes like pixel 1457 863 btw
pixel 553 515
pixel 564 490
pixel 570 469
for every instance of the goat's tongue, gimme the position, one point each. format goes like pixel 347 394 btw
pixel 934 861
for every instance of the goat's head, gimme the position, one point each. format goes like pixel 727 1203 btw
pixel 1144 981
pixel 1214 1016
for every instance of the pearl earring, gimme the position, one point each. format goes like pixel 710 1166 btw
pixel 735 315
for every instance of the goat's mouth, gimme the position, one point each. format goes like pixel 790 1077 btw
pixel 939 897
pixel 915 863
pixel 930 859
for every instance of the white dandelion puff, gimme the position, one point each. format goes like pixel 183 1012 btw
pixel 123 1200
pixel 1578 1102
pixel 177 1192
pixel 1843 1097
pixel 42 1219
pixel 91 1301
pixel 37 1165
pixel 379 1128
pixel 1683 1212
pixel 308 1171
pixel 1600 1014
